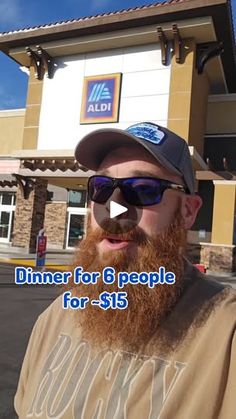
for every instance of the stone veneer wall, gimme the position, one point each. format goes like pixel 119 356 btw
pixel 29 216
pixel 217 258
pixel 55 223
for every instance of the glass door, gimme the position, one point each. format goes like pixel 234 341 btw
pixel 76 226
pixel 7 208
pixel 6 226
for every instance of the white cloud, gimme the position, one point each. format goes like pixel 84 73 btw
pixel 25 70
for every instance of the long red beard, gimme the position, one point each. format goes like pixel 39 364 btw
pixel 132 328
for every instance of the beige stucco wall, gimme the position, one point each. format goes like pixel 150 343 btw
pixel 221 114
pixel 223 212
pixel 188 98
pixel 32 114
pixel 11 130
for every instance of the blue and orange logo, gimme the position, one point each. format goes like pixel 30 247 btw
pixel 101 96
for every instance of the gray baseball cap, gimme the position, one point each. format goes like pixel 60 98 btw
pixel 170 150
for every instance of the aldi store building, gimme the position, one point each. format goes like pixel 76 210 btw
pixel 173 64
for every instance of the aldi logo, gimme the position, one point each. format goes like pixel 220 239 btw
pixel 99 92
pixel 101 97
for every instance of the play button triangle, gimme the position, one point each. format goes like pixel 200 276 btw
pixel 116 209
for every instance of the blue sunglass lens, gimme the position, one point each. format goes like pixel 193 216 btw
pixel 100 189
pixel 137 191
pixel 142 191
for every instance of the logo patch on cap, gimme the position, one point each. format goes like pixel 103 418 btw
pixel 148 132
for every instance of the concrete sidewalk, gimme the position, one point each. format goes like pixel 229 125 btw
pixel 54 258
pixel 61 259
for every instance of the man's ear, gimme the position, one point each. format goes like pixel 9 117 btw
pixel 190 206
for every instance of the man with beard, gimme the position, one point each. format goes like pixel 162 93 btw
pixel 171 353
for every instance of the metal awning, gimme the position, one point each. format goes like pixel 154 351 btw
pixel 48 160
pixel 60 168
pixel 64 160
pixel 63 172
pixel 52 167
pixel 8 183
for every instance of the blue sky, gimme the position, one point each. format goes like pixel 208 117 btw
pixel 27 13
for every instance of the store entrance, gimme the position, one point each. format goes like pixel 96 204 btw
pixel 75 227
pixel 7 209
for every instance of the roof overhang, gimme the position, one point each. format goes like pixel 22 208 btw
pixel 58 167
pixel 52 163
pixel 212 175
pixel 61 169
pixel 132 27
pixel 7 183
pixel 201 29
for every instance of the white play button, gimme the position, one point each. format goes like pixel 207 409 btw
pixel 105 217
pixel 116 209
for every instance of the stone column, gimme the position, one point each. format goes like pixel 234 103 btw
pixel 29 216
pixel 219 258
pixel 55 224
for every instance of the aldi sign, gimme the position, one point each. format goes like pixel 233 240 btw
pixel 101 99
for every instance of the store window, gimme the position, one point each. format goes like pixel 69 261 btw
pixel 77 198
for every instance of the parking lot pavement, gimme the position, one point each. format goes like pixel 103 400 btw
pixel 19 309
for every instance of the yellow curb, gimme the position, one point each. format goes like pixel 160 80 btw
pixel 26 262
